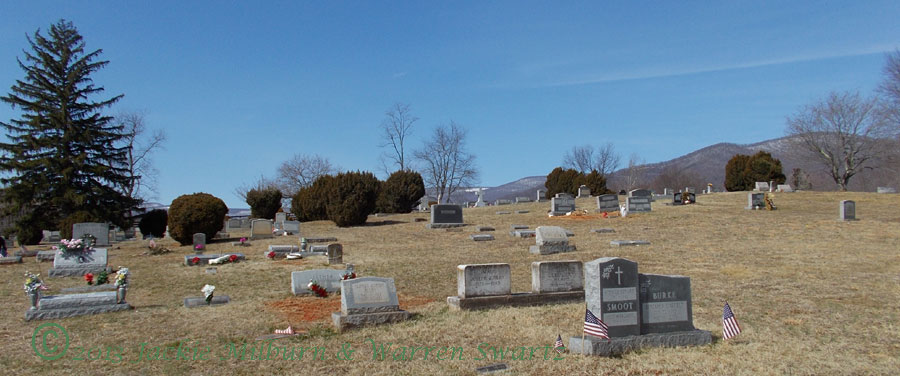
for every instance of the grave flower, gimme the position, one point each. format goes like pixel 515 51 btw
pixel 232 258
pixel 89 278
pixel 198 247
pixel 316 289
pixel 243 240
pixel 102 278
pixel 195 260
pixel 271 254
pixel 33 283
pixel 122 277
pixel 208 292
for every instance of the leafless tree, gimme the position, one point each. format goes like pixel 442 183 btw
pixel 139 163
pixel 587 158
pixel 635 173
pixel 677 178
pixel 890 87
pixel 396 127
pixel 301 171
pixel 261 184
pixel 446 165
pixel 845 133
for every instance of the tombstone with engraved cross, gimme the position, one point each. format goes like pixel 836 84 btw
pixel 611 293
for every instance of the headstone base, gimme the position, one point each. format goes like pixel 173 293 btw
pixel 484 228
pixel 523 233
pixel 444 225
pixel 321 240
pixel 603 230
pixel 344 322
pixel 513 300
pixel 617 346
pixel 43 256
pixel 482 237
pixel 61 306
pixel 75 272
pixel 45 314
pixel 623 243
pixel 90 288
pixel 11 260
pixel 195 302
pixel 522 212
pixel 31 253
pixel 239 244
pixel 551 249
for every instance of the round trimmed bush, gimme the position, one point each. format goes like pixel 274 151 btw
pixel 400 193
pixel 154 223
pixel 352 198
pixel 65 226
pixel 198 212
pixel 264 203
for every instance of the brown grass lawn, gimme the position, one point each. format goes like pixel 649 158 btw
pixel 814 296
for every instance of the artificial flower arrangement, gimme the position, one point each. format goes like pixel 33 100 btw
pixel 208 292
pixel 69 246
pixel 89 278
pixel 122 277
pixel 271 254
pixel 198 247
pixel 222 260
pixel 33 283
pixel 316 289
pixel 195 261
pixel 349 275
pixel 156 249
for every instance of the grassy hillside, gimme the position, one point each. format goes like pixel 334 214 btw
pixel 814 296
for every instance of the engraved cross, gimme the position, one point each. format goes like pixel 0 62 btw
pixel 619 274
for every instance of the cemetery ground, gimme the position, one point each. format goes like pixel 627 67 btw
pixel 813 295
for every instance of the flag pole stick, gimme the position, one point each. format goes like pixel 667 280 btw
pixel 582 330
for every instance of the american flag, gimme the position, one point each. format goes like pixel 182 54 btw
pixel 595 326
pixel 289 330
pixel 730 327
pixel 559 344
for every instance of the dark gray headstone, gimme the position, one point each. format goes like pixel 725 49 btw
pixel 608 203
pixel 848 210
pixel 200 239
pixel 638 204
pixel 482 280
pixel 446 214
pixel 484 228
pixel 756 201
pixel 557 276
pixel 517 227
pixel 640 193
pixel 611 293
pixel 584 191
pixel 98 230
pixel 665 303
pixel 481 237
pixel 561 205
pixel 603 230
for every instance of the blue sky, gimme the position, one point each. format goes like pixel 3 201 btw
pixel 240 87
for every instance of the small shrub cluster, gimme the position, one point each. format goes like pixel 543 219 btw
pixel 198 212
pixel 352 198
pixel 401 192
pixel 568 180
pixel 264 203
pixel 743 171
pixel 154 223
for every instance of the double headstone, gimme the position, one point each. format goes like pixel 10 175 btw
pixel 561 205
pixel 608 203
pixel 639 200
pixel 328 279
pixel 100 231
pixel 640 310
pixel 541 195
pixel 847 210
pixel 67 264
pixel 446 216
pixel 522 199
pixel 368 301
pixel 60 306
pixel 483 286
pixel 291 227
pixel 761 186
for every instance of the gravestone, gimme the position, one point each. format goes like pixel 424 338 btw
pixel 564 195
pixel 848 210
pixel 69 305
pixel 561 205
pixel 368 301
pixel 551 239
pixel 622 243
pixel 785 188
pixel 482 280
pixel 200 239
pixel 514 227
pixel 446 216
pixel 481 237
pixel 607 203
pixel 328 279
pixel 665 303
pixel 611 293
pixel 291 227
pixel 557 276
pixel 602 230
pixel 584 191
pixel 885 190
pixel 10 260
pixel 756 201
pixel 523 199
pixel 502 212
pixel 761 186
pixel 194 302
pixel 335 253
pixel 100 231
pixel 541 195
pixel 679 198
pixel 640 193
pixel 261 229
pixel 79 263
pixel 42 256
pixel 233 224
pixel 280 251
pixel 54 237
pixel 522 211
pixel 523 233
pixel 637 204
pixel 502 202
pixel 280 217
pixel 484 228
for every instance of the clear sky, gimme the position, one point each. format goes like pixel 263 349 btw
pixel 241 86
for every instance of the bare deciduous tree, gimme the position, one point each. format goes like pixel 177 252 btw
pixel 446 164
pixel 844 133
pixel 890 87
pixel 301 171
pixel 587 158
pixel 396 127
pixel 635 173
pixel 261 184
pixel 139 147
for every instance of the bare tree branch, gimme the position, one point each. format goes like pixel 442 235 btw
pixel 447 166
pixel 396 127
pixel 140 148
pixel 300 172
pixel 588 158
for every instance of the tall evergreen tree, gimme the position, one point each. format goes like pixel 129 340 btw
pixel 62 156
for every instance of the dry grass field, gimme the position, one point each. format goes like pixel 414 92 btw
pixel 813 295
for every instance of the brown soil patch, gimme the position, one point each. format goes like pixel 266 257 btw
pixel 582 216
pixel 307 309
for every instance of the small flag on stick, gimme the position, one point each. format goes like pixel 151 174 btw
pixel 730 327
pixel 289 330
pixel 595 326
pixel 559 344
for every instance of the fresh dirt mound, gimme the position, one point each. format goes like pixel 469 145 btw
pixel 309 309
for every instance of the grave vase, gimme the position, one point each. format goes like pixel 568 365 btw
pixel 35 299
pixel 120 294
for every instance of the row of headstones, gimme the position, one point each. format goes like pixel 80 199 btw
pixel 762 186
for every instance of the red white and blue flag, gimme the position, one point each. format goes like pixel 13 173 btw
pixel 730 327
pixel 595 326
pixel 559 344
pixel 289 330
